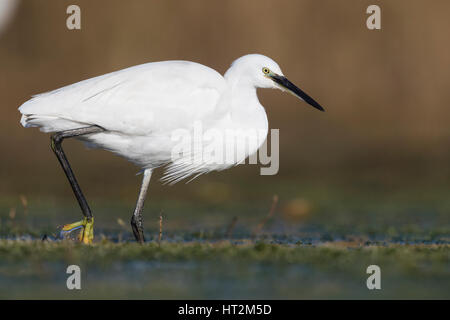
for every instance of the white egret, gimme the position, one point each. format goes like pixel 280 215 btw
pixel 133 112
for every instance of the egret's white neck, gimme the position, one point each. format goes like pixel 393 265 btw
pixel 246 114
pixel 244 104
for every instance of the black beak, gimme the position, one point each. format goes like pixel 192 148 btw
pixel 292 88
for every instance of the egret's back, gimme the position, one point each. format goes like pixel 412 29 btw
pixel 137 100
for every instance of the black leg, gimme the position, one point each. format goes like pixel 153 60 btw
pixel 56 140
pixel 136 218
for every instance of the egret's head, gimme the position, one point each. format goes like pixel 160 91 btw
pixel 262 72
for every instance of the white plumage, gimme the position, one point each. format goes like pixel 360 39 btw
pixel 141 106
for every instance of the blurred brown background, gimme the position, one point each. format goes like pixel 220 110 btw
pixel 385 92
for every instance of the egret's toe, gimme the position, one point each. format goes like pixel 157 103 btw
pixel 85 229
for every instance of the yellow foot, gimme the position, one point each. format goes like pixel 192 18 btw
pixel 85 227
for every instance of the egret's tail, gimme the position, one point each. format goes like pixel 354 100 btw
pixel 32 116
pixel 48 123
pixel 33 120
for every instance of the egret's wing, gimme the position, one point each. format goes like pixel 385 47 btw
pixel 149 98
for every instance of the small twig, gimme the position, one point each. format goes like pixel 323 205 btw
pixel 231 227
pixel 24 202
pixel 160 228
pixel 122 225
pixel 12 213
pixel 12 217
pixel 267 218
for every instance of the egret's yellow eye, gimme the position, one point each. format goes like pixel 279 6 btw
pixel 265 70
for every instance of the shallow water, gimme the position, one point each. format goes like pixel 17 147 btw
pixel 320 250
